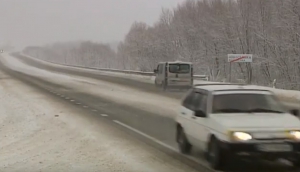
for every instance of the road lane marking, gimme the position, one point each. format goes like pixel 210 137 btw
pixel 67 98
pixel 94 110
pixel 104 115
pixel 72 100
pixel 78 103
pixel 204 164
pixel 145 135
pixel 85 106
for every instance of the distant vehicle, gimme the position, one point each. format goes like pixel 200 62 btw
pixel 174 75
pixel 229 122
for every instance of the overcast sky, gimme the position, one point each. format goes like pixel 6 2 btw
pixel 37 22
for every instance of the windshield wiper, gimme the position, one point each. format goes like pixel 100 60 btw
pixel 264 110
pixel 229 111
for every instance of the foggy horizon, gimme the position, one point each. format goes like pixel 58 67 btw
pixel 40 22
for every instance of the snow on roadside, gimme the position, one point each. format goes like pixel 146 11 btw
pixel 17 65
pixel 286 95
pixel 33 138
pixel 147 79
pixel 141 78
pixel 164 106
pixel 120 94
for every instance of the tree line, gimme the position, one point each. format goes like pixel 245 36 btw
pixel 204 32
pixel 83 54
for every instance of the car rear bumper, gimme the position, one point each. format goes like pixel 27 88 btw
pixel 186 84
pixel 180 86
pixel 250 150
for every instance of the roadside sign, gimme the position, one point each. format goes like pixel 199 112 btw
pixel 240 58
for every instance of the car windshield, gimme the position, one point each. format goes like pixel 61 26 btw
pixel 246 103
pixel 179 68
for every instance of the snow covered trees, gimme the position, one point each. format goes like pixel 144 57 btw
pixel 204 32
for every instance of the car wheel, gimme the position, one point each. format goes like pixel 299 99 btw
pixel 216 157
pixel 184 145
pixel 296 164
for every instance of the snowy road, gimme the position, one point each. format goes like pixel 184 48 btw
pixel 40 132
pixel 138 82
pixel 129 106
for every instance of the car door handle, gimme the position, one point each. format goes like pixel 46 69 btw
pixel 182 113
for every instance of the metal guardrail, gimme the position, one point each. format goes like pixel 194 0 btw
pixel 200 77
pixel 144 73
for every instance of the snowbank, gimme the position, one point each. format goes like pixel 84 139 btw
pixel 291 96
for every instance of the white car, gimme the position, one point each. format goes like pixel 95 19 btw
pixel 229 121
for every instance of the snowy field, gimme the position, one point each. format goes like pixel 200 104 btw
pixel 289 96
pixel 41 133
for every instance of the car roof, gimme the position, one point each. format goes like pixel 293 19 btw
pixel 229 87
pixel 176 62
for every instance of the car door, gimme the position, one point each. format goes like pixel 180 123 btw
pixel 198 124
pixel 158 77
pixel 186 114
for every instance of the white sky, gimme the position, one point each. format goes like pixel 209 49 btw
pixel 36 22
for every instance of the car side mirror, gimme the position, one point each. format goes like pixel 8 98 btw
pixel 200 113
pixel 295 112
pixel 155 70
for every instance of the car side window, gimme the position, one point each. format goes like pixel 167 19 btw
pixel 200 102
pixel 187 103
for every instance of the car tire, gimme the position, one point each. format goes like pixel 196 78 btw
pixel 296 164
pixel 184 145
pixel 217 157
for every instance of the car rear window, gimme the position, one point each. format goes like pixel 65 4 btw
pixel 179 68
